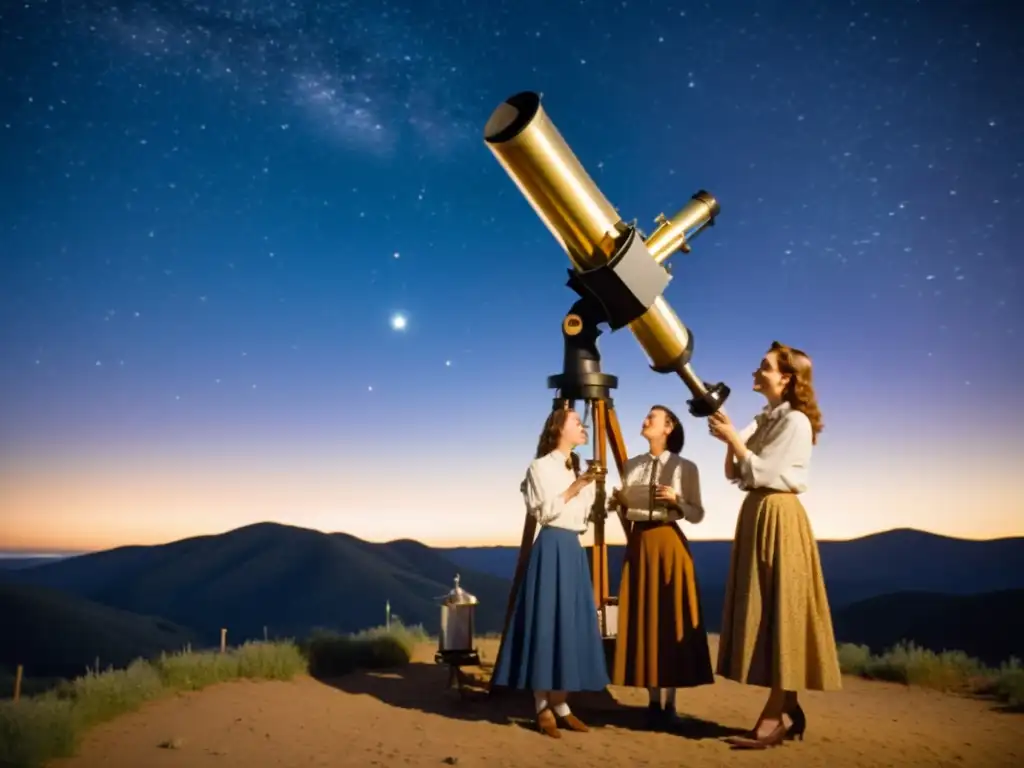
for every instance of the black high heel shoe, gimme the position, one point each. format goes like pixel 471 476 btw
pixel 799 727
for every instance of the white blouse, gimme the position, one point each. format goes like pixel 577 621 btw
pixel 672 470
pixel 779 442
pixel 546 480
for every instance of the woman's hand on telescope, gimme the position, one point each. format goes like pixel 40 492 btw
pixel 721 427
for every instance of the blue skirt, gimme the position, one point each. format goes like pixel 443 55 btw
pixel 553 641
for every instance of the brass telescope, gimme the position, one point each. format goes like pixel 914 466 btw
pixel 611 259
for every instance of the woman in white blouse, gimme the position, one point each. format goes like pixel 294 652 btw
pixel 776 625
pixel 553 642
pixel 661 643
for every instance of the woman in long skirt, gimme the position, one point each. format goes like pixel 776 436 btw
pixel 776 625
pixel 553 643
pixel 661 644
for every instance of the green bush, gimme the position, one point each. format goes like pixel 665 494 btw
pixel 33 731
pixel 854 659
pixel 101 696
pixel 193 671
pixel 1009 684
pixel 331 654
pixel 908 664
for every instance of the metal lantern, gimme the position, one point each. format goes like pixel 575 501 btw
pixel 456 645
pixel 458 610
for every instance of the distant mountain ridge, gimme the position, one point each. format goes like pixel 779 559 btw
pixel 901 584
pixel 287 579
pixel 900 560
pixel 17 562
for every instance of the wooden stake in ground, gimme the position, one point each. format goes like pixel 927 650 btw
pixel 223 640
pixel 17 681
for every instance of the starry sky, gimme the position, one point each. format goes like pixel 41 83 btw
pixel 214 210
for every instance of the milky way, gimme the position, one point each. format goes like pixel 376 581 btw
pixel 363 75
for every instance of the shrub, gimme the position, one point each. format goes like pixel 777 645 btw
pixel 270 661
pixel 332 654
pixel 100 696
pixel 854 659
pixel 33 731
pixel 908 664
pixel 1009 684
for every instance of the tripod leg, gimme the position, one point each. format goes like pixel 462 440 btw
pixel 529 529
pixel 599 572
pixel 619 454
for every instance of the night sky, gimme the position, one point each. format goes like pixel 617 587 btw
pixel 213 212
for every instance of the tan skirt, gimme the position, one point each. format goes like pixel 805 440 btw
pixel 661 639
pixel 776 625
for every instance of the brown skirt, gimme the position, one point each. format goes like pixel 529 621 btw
pixel 661 639
pixel 776 625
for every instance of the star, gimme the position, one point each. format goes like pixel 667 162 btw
pixel 398 322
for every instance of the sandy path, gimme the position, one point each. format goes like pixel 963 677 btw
pixel 408 719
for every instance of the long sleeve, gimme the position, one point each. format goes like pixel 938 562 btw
pixel 783 462
pixel 687 482
pixel 545 483
pixel 745 434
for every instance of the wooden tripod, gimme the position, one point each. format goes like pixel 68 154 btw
pixel 606 429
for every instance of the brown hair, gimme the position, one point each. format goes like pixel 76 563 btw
pixel 677 437
pixel 799 392
pixel 552 433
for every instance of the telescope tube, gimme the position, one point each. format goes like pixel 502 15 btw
pixel 524 140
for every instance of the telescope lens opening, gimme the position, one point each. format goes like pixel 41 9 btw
pixel 512 117
pixel 709 200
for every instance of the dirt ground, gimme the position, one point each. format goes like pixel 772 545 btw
pixel 408 718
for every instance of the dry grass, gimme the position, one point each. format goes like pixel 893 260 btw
pixel 46 726
pixel 40 728
pixel 952 671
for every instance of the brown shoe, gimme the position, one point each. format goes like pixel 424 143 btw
pixel 546 724
pixel 573 723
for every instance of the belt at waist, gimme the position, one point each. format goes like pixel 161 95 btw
pixel 650 525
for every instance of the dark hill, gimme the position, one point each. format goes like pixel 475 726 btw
pixel 53 634
pixel 288 579
pixel 989 626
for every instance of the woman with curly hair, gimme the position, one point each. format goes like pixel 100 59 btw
pixel 776 624
pixel 553 645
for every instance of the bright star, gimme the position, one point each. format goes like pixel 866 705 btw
pixel 398 322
